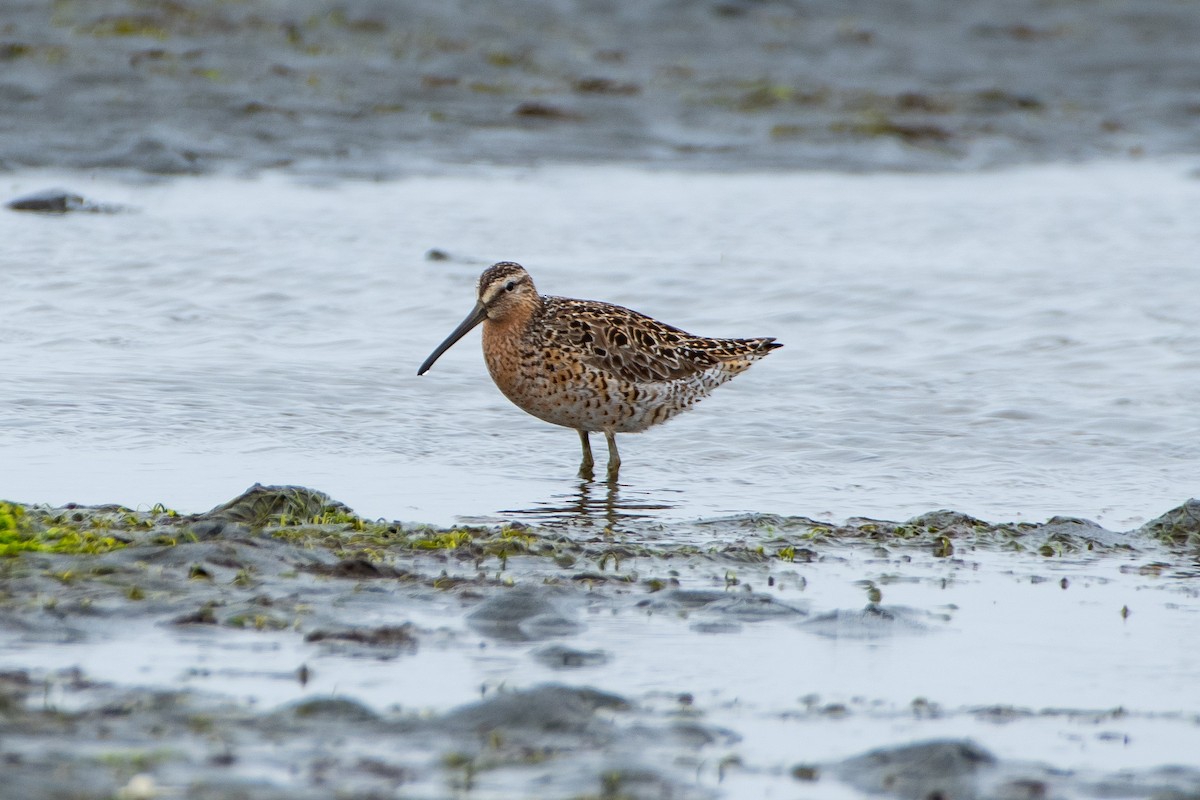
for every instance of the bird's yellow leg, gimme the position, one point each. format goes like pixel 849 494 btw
pixel 585 466
pixel 614 458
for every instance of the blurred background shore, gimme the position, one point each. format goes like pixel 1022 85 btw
pixel 371 88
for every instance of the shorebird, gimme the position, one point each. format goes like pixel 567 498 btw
pixel 593 366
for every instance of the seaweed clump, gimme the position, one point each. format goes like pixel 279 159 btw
pixel 41 531
pixel 944 533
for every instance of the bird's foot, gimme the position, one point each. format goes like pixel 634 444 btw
pixel 614 469
pixel 614 457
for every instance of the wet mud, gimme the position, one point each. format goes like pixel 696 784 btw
pixel 290 566
pixel 368 88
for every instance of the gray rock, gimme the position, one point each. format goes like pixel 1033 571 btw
pixel 523 613
pixel 549 708
pixel 946 769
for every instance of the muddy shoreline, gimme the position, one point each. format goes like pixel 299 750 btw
pixel 287 564
pixel 372 89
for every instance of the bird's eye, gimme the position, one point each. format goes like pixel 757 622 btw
pixel 508 287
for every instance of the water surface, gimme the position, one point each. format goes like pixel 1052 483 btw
pixel 1012 345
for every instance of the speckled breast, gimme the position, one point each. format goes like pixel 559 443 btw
pixel 565 391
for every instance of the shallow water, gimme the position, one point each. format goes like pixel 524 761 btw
pixel 1012 345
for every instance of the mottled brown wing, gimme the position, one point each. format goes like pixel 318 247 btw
pixel 637 348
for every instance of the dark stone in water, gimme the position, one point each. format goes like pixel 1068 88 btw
pixel 872 622
pixel 535 110
pixel 549 709
pixel 48 201
pixel 940 768
pixel 1178 526
pixel 694 598
pixel 524 613
pixel 754 606
pixel 742 606
pixel 359 568
pixel 944 520
pixel 260 506
pixel 155 157
pixel 1077 532
pixel 59 201
pixel 558 656
pixel 386 636
pixel 330 708
pixel 201 616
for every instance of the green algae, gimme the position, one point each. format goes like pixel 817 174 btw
pixel 943 533
pixel 49 54
pixel 259 622
pixel 761 95
pixel 139 26
pixel 263 506
pixel 128 763
pixel 310 520
pixel 11 516
pixel 377 541
pixel 25 532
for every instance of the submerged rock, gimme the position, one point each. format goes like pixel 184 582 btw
pixel 688 598
pixel 327 709
pixel 152 156
pixel 872 622
pixel 946 769
pixel 60 201
pixel 260 506
pixel 946 521
pixel 561 657
pixel 396 638
pixel 524 613
pixel 1078 533
pixel 1180 525
pixel 358 569
pixel 720 612
pixel 550 708
pixel 754 606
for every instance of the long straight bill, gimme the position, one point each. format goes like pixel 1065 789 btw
pixel 474 318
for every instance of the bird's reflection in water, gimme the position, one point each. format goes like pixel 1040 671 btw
pixel 606 505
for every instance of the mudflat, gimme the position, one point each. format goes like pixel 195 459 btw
pixel 279 645
pixel 373 88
